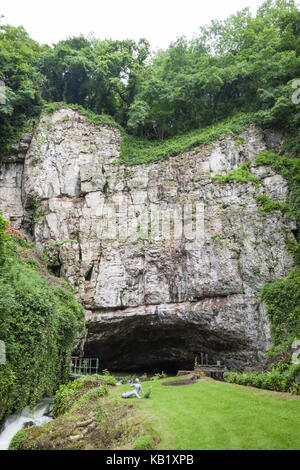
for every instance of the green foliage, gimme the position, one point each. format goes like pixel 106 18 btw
pixel 19 56
pixel 238 142
pixel 283 296
pixel 62 242
pixel 283 306
pixel 3 238
pixel 35 161
pixel 32 263
pixel 88 411
pixel 18 440
pixel 109 380
pixel 280 378
pixel 64 397
pixel 243 63
pixel 99 75
pixel 282 350
pixel 97 119
pixel 139 113
pixel 269 206
pixel 159 375
pixel 288 168
pixel 91 395
pixel 136 150
pixel 241 175
pixel 145 442
pixel 218 238
pixel 293 247
pixel 86 388
pixel 7 380
pixel 39 323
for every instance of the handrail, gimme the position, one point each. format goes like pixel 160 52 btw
pixel 84 365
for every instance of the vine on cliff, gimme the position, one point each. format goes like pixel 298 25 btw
pixel 283 296
pixel 39 323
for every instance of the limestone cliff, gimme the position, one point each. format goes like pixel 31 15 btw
pixel 151 300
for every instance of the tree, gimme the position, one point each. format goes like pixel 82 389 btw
pixel 18 70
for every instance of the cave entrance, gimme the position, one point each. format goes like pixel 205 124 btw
pixel 135 345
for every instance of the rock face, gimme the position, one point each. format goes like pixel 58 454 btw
pixel 11 181
pixel 167 262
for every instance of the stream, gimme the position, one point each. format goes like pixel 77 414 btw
pixel 36 416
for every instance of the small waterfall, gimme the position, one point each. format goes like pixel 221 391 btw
pixel 36 416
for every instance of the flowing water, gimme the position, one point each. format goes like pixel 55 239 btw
pixel 36 416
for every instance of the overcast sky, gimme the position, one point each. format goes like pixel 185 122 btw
pixel 159 21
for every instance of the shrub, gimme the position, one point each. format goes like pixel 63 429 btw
pixel 18 440
pixel 145 442
pixel 269 206
pixel 283 306
pixel 242 174
pixel 91 386
pixel 159 375
pixel 276 379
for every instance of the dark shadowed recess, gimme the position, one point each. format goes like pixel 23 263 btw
pixel 136 345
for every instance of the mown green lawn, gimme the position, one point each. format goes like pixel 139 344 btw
pixel 220 416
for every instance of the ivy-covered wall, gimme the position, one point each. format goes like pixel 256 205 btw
pixel 283 296
pixel 39 322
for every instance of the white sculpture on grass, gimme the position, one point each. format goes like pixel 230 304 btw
pixel 134 393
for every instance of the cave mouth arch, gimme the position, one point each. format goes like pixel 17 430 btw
pixel 138 346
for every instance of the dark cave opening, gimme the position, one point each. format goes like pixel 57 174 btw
pixel 156 347
pixel 54 269
pixel 295 232
pixel 89 273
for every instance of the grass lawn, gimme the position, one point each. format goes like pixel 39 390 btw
pixel 221 416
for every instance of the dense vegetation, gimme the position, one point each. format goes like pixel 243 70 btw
pixel 71 392
pixel 39 323
pixel 279 379
pixel 289 168
pixel 243 64
pixel 136 150
pixel 283 296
